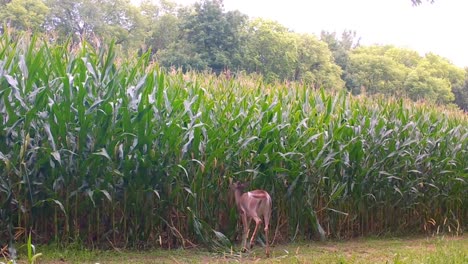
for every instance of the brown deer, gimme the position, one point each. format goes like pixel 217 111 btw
pixel 252 205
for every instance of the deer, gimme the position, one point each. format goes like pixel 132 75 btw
pixel 252 205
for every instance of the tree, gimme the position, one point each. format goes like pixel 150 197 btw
pixel 461 94
pixel 396 71
pixel 407 57
pixel 340 49
pixel 161 24
pixel 279 54
pixel 214 36
pixel 418 2
pixel 106 19
pixel 435 79
pixel 182 55
pixel 120 21
pixel 271 50
pixel 421 85
pixel 67 18
pixel 237 23
pixel 209 34
pixel 375 73
pixel 315 63
pixel 164 32
pixel 24 14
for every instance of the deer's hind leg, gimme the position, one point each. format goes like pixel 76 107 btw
pixel 267 223
pixel 258 221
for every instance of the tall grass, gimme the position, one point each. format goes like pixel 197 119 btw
pixel 123 154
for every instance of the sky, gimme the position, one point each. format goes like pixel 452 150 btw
pixel 440 27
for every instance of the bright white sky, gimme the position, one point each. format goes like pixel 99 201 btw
pixel 440 27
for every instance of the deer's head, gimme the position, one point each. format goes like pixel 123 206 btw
pixel 238 186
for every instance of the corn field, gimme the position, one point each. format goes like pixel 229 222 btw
pixel 111 152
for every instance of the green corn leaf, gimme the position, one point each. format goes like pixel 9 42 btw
pixel 103 152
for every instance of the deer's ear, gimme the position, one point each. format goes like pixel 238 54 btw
pixel 234 185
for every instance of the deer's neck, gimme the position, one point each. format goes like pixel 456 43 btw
pixel 237 196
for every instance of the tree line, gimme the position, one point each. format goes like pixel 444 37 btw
pixel 204 36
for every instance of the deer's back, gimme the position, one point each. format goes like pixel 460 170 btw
pixel 257 202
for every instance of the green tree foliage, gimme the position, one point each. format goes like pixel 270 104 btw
pixel 161 23
pixel 237 38
pixel 395 71
pixel 209 34
pixel 407 57
pixel 418 2
pixel 421 85
pixel 120 21
pixel 340 48
pixel 271 50
pixel 182 55
pixel 434 78
pixel 315 63
pixel 105 19
pixel 70 18
pixel 461 93
pixel 165 32
pixel 374 72
pixel 279 54
pixel 24 14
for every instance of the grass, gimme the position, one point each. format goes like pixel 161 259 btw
pixel 361 250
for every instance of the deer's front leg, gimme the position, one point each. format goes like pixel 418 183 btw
pixel 246 231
